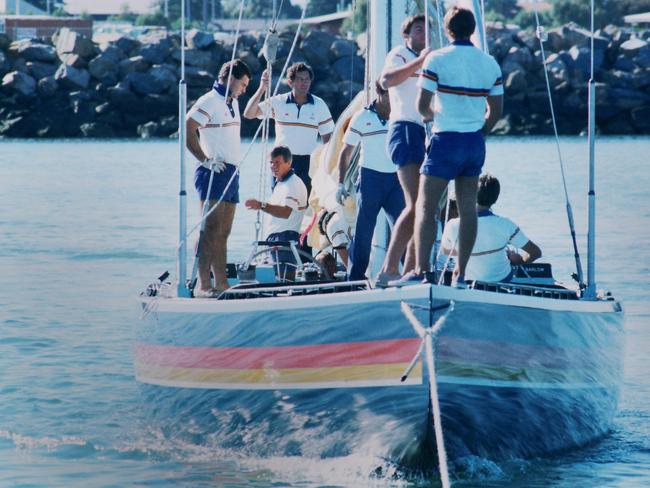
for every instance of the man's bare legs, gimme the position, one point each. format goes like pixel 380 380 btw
pixel 214 249
pixel 409 177
pixel 466 190
pixel 425 229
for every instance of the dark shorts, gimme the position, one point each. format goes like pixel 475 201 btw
pixel 219 182
pixel 405 143
pixel 452 154
pixel 287 235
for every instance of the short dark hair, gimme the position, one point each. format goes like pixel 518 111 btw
pixel 239 70
pixel 283 151
pixel 295 68
pixel 488 190
pixel 460 22
pixel 409 21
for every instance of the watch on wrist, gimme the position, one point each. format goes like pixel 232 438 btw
pixel 262 205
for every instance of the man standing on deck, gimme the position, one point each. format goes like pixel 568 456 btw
pixel 465 81
pixel 213 138
pixel 378 184
pixel 299 117
pixel 405 137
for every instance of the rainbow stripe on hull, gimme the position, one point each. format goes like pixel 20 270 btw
pixel 518 376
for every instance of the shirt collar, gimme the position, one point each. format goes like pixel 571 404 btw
pixel 462 42
pixel 485 213
pixel 411 50
pixel 289 174
pixel 220 88
pixel 373 109
pixel 291 98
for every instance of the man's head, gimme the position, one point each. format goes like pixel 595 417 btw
pixel 459 23
pixel 488 190
pixel 383 102
pixel 280 161
pixel 239 78
pixel 413 32
pixel 300 76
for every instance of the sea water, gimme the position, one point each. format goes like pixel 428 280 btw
pixel 86 225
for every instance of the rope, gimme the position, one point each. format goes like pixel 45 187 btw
pixel 427 334
pixel 441 39
pixel 542 36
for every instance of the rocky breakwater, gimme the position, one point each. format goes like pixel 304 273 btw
pixel 622 75
pixel 69 86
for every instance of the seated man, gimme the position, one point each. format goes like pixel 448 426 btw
pixel 491 259
pixel 287 203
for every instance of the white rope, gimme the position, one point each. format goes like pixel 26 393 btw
pixel 439 17
pixel 427 334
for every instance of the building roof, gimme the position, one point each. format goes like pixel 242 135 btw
pixel 108 7
pixel 321 19
pixel 643 18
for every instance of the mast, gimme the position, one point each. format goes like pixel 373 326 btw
pixel 590 291
pixel 181 266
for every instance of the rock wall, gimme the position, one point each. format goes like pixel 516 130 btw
pixel 68 86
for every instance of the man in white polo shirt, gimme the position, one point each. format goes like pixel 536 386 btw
pixel 468 102
pixel 287 203
pixel 405 142
pixel 213 138
pixel 300 117
pixel 491 259
pixel 378 185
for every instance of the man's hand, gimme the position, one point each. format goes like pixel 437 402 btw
pixel 341 194
pixel 215 164
pixel 253 204
pixel 264 79
pixel 514 257
pixel 424 53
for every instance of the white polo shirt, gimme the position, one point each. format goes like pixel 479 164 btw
pixel 461 76
pixel 289 192
pixel 488 261
pixel 402 96
pixel 369 130
pixel 298 127
pixel 219 131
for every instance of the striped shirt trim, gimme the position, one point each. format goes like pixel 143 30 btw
pixel 325 121
pixel 499 81
pixel 221 126
pixel 297 124
pixel 352 129
pixel 464 91
pixel 491 251
pixel 401 57
pixel 375 133
pixel 294 199
pixel 200 110
pixel 514 233
pixel 429 75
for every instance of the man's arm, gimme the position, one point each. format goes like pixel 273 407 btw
pixel 192 130
pixel 423 102
pixel 253 110
pixel 532 250
pixel 495 110
pixel 280 211
pixel 395 75
pixel 344 161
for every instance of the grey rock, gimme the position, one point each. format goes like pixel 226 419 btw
pixel 197 58
pixel 40 70
pixel 122 98
pixel 515 85
pixel 349 68
pixel 197 39
pixel 342 48
pixel 33 51
pixel 97 130
pixel 623 63
pixel 72 78
pixel 103 108
pixel 641 119
pixel 47 86
pixel 198 78
pixel 315 47
pixel 103 67
pixel 164 75
pixel 4 41
pixel 168 125
pixel 155 53
pixel 618 79
pixel 135 63
pixel 642 59
pixel 110 50
pixel 632 47
pixel 74 60
pixel 251 61
pixel 126 44
pixel 148 130
pixel 19 82
pixel 620 124
pixel 71 42
pixel 143 83
pixel 581 59
pixel 520 55
pixel 510 67
pixel 628 99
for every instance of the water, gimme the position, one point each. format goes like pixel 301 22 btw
pixel 84 226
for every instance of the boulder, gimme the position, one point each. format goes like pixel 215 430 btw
pixel 71 42
pixel 342 48
pixel 47 86
pixel 581 59
pixel 135 63
pixel 316 46
pixel 197 39
pixel 155 52
pixel 520 55
pixel 618 79
pixel 72 78
pixel 515 85
pixel 40 70
pixel 97 130
pixel 4 41
pixel 143 83
pixel 126 44
pixel 623 63
pixel 618 125
pixel 349 68
pixel 251 60
pixel 18 125
pixel 122 98
pixel 198 78
pixel 168 126
pixel 164 75
pixel 19 82
pixel 628 99
pixel 200 59
pixel 148 130
pixel 74 60
pixel 110 50
pixel 104 67
pixel 632 47
pixel 31 50
pixel 641 119
pixel 642 59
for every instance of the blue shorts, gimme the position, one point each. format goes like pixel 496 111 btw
pixel 405 143
pixel 286 235
pixel 453 154
pixel 219 182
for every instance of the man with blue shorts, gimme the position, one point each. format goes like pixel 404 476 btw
pixel 405 140
pixel 213 138
pixel 466 83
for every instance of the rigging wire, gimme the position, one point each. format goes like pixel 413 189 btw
pixel 542 36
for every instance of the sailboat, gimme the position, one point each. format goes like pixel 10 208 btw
pixel 503 370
